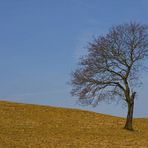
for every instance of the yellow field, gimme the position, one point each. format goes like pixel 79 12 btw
pixel 33 126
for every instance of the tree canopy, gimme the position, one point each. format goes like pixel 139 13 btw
pixel 111 68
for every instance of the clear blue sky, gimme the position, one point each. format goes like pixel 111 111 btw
pixel 41 41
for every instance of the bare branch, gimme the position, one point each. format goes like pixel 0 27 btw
pixel 112 64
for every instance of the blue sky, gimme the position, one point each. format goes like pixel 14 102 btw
pixel 41 41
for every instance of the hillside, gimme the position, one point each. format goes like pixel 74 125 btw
pixel 34 126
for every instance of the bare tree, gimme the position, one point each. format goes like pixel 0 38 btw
pixel 111 69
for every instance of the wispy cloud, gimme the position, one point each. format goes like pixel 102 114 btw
pixel 82 43
pixel 82 3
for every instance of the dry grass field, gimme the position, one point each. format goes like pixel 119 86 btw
pixel 34 126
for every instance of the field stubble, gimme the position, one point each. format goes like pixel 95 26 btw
pixel 34 126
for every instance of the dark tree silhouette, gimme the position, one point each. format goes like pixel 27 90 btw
pixel 111 69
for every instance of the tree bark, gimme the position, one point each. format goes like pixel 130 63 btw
pixel 129 119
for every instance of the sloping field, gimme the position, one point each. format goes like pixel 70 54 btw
pixel 33 126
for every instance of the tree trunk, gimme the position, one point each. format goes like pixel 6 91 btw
pixel 129 119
